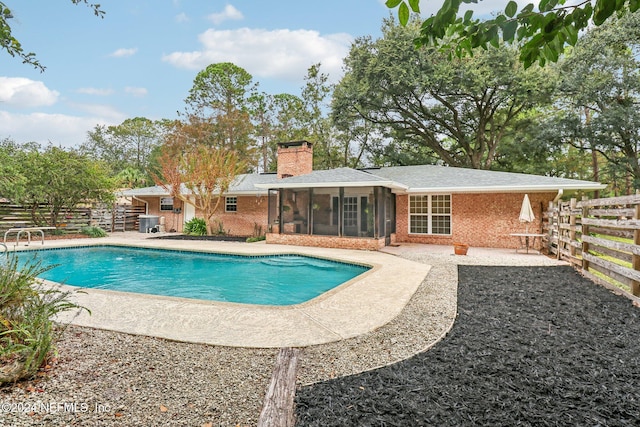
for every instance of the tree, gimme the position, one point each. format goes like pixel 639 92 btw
pixel 205 171
pixel 315 95
pixel 544 32
pixel 11 178
pixel 13 47
pixel 59 179
pixel 359 137
pixel 126 146
pixel 131 178
pixel 600 91
pixel 459 110
pixel 220 94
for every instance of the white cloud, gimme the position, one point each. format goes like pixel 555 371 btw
pixel 284 54
pixel 104 112
pixel 136 91
pixel 122 53
pixel 482 9
pixel 182 18
pixel 95 91
pixel 59 129
pixel 229 13
pixel 25 93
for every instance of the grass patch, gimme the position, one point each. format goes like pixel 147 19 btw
pixel 93 232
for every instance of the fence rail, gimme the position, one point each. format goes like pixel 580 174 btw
pixel 601 237
pixel 108 217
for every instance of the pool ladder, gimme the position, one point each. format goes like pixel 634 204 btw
pixel 5 255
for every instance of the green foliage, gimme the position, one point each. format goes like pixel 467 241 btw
pixel 131 178
pixel 27 309
pixel 93 232
pixel 220 96
pixel 55 177
pixel 256 239
pixel 126 148
pixel 543 33
pixel 13 47
pixel 195 227
pixel 457 111
pixel 599 97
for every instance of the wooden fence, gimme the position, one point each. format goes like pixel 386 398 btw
pixel 109 218
pixel 601 237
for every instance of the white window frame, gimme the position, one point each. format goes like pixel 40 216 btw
pixel 231 201
pixel 165 205
pixel 429 214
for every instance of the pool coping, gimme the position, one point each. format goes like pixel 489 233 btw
pixel 361 305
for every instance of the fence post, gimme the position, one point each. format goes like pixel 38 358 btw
pixel 585 232
pixel 550 226
pixel 572 227
pixel 558 221
pixel 635 285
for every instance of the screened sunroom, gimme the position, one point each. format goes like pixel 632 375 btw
pixel 313 205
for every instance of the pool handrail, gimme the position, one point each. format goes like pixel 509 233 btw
pixel 5 253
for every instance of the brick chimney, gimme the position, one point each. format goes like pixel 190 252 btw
pixel 294 158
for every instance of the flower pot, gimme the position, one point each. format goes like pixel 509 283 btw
pixel 460 248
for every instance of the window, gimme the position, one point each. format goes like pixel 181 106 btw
pixel 430 214
pixel 350 212
pixel 231 204
pixel 166 203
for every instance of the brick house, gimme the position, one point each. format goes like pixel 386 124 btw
pixel 371 208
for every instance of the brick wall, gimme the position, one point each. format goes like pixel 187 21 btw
pixel 482 220
pixel 252 212
pixel 251 215
pixel 326 241
pixel 295 158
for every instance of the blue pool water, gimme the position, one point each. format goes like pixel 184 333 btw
pixel 268 280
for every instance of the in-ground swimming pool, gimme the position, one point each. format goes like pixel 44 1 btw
pixel 267 280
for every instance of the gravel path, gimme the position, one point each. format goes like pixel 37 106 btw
pixel 106 378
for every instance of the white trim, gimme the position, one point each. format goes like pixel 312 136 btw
pixel 388 184
pixel 504 189
pixel 429 215
pixel 227 204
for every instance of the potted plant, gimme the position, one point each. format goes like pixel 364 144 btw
pixel 460 248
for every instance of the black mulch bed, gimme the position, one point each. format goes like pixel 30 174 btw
pixel 205 238
pixel 532 346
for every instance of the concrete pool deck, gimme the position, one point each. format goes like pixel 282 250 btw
pixel 358 307
pixel 354 308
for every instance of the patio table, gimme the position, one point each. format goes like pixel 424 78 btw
pixel 527 240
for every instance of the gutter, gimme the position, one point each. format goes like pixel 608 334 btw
pixel 505 189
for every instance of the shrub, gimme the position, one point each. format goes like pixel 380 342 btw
pixel 93 232
pixel 27 307
pixel 256 239
pixel 195 227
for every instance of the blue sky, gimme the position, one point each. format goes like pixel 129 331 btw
pixel 141 59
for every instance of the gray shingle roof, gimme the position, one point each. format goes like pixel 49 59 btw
pixel 340 177
pixel 422 178
pixel 245 183
pixel 441 178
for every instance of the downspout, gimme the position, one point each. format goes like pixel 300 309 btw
pixel 146 204
pixel 558 196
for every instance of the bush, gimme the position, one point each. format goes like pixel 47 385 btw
pixel 256 239
pixel 93 232
pixel 27 307
pixel 195 227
